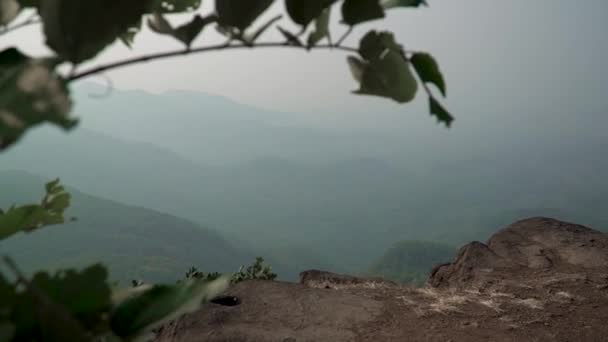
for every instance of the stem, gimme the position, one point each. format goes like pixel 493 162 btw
pixel 182 52
pixel 29 21
pixel 344 36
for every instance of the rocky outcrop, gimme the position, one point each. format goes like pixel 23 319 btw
pixel 536 244
pixel 537 280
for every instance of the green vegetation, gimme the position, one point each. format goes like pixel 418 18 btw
pixel 256 271
pixel 409 262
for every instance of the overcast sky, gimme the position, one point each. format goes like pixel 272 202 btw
pixel 498 56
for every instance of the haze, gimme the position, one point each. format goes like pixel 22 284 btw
pixel 269 148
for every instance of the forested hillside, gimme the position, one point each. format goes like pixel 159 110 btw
pixel 409 262
pixel 135 243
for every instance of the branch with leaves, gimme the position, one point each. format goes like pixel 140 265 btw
pixel 80 305
pixel 35 92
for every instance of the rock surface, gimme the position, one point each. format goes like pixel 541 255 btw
pixel 536 280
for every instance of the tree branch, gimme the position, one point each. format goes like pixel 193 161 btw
pixel 183 52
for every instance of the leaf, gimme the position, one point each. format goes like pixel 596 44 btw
pixel 357 67
pixel 357 11
pixel 185 33
pixel 303 12
pixel 387 4
pixel 373 45
pixel 427 68
pixel 440 112
pixel 175 6
pixel 321 28
pixel 79 30
pixel 9 9
pixel 292 39
pixel 160 303
pixel 384 71
pixel 31 217
pixel 128 37
pixel 238 13
pixel 85 295
pixel 159 24
pixel 29 3
pixel 389 76
pixel 31 93
pixel 59 307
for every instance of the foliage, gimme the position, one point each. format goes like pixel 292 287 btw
pixel 256 271
pixel 28 218
pixel 34 90
pixel 78 305
pixel 72 305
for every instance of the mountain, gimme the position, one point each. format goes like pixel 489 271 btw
pixel 338 207
pixel 135 243
pixel 213 129
pixel 409 262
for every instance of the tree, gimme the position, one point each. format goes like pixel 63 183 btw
pixel 36 90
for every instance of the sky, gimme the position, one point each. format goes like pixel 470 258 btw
pixel 498 57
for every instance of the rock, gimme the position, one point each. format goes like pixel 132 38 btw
pixel 532 244
pixel 329 280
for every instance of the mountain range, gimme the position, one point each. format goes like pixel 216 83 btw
pixel 320 197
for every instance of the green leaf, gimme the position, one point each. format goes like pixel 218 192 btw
pixel 60 307
pixel 175 6
pixel 427 68
pixel 357 67
pixel 321 28
pixel 85 294
pixel 387 4
pixel 52 186
pixel 9 9
pixel 440 112
pixel 238 13
pixel 159 24
pixel 384 71
pixel 303 12
pixel 31 217
pixel 357 11
pixel 79 30
pixel 160 303
pixel 29 3
pixel 128 37
pixel 31 93
pixel 185 33
pixel 389 76
pixel 373 45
